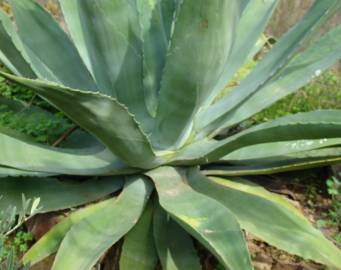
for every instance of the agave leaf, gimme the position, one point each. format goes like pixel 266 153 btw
pixel 310 159
pixel 265 152
pixel 243 4
pixel 87 240
pixel 175 247
pixel 156 21
pixel 201 43
pixel 269 217
pixel 281 54
pixel 38 67
pixel 54 194
pixel 207 220
pixel 138 251
pixel 39 32
pixel 72 17
pixel 250 27
pixel 101 31
pixel 50 242
pixel 6 172
pixel 102 116
pixel 85 161
pixel 311 155
pixel 306 66
pixel 322 124
pixel 10 55
pixel 109 36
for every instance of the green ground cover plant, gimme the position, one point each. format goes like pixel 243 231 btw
pixel 24 111
pixel 322 93
pixel 159 153
pixel 11 220
pixel 332 218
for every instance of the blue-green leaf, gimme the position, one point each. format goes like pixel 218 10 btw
pixel 55 194
pixel 100 115
pixel 138 250
pixel 88 240
pixel 174 246
pixel 49 45
pixel 203 217
pixel 109 37
pixel 200 45
pixel 270 217
pixel 278 57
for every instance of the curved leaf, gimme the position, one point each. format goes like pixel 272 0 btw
pixel 41 158
pixel 50 242
pixel 102 116
pixel 10 55
pixel 322 124
pixel 6 172
pixel 37 66
pixel 270 217
pixel 207 220
pixel 175 247
pixel 243 4
pixel 72 17
pixel 284 50
pixel 138 251
pixel 110 39
pixel 87 240
pixel 250 27
pixel 267 152
pixel 101 31
pixel 302 69
pixel 320 158
pixel 39 33
pixel 156 20
pixel 200 45
pixel 55 194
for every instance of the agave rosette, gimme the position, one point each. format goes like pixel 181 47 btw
pixel 141 78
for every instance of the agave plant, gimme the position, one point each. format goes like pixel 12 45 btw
pixel 160 158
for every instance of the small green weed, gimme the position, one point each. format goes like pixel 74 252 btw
pixel 11 220
pixel 323 93
pixel 334 190
pixel 333 217
pixel 18 244
pixel 36 125
pixel 311 195
pixel 12 91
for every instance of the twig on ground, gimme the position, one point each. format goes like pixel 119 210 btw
pixel 64 136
